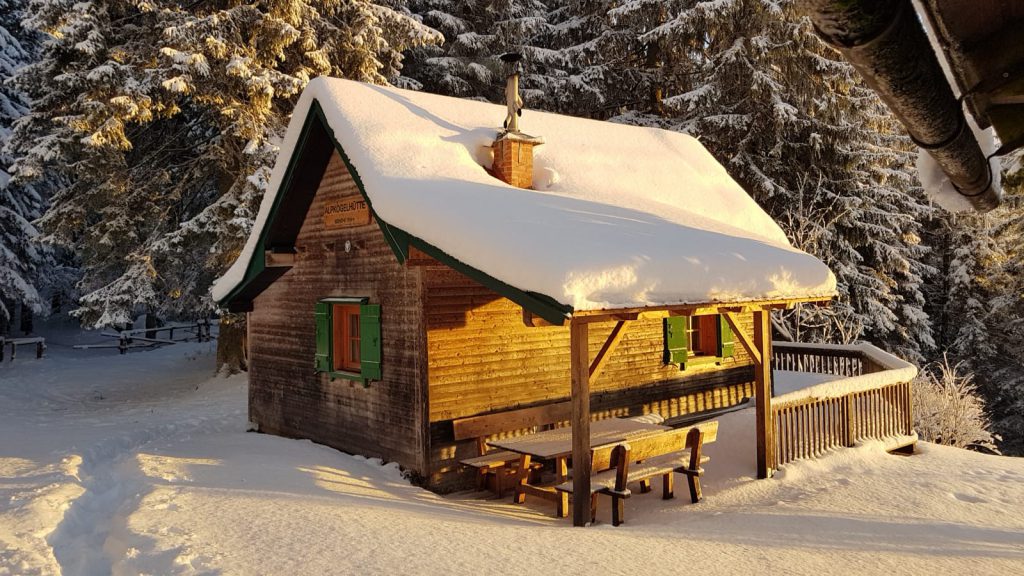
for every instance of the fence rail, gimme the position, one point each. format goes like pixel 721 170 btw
pixel 148 337
pixel 840 415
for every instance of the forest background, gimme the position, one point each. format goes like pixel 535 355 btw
pixel 137 138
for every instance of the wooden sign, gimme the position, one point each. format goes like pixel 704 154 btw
pixel 347 212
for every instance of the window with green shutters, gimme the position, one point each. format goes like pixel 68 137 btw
pixel 348 339
pixel 697 339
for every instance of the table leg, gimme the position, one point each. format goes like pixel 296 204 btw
pixel 521 478
pixel 561 469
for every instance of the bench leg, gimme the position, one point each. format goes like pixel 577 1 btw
pixel 499 481
pixel 694 481
pixel 562 507
pixel 521 478
pixel 593 507
pixel 668 488
pixel 645 486
pixel 618 510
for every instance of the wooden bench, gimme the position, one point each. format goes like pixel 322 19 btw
pixel 502 464
pixel 615 466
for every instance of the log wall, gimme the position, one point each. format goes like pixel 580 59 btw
pixel 482 358
pixel 287 397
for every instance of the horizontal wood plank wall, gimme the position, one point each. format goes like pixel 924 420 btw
pixel 286 396
pixel 481 358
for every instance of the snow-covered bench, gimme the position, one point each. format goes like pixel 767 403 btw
pixel 615 466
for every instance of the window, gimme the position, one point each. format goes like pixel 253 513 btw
pixel 348 343
pixel 345 351
pixel 697 339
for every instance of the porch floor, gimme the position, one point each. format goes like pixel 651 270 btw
pixel 730 476
pixel 787 381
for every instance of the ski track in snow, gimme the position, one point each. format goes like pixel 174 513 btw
pixel 71 427
pixel 86 540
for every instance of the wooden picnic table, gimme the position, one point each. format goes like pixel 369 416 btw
pixel 556 444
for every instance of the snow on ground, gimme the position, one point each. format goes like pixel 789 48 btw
pixel 140 464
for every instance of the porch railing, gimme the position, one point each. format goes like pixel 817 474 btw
pixel 872 400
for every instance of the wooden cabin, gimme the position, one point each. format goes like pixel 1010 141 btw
pixel 412 265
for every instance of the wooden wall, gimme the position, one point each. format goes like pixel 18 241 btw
pixel 287 397
pixel 482 358
pixel 439 327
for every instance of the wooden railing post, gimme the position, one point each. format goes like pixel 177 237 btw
pixel 910 407
pixel 850 423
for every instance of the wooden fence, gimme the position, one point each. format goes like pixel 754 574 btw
pixel 13 343
pixel 847 410
pixel 148 337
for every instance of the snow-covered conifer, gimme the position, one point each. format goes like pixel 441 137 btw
pixel 21 257
pixel 793 124
pixel 163 117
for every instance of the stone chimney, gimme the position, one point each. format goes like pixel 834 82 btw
pixel 513 150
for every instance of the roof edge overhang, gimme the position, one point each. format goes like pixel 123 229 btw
pixel 258 277
pixel 696 308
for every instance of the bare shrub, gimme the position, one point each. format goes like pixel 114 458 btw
pixel 948 409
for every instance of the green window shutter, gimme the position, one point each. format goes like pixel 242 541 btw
pixel 370 345
pixel 677 348
pixel 323 336
pixel 726 342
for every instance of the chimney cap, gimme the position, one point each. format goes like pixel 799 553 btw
pixel 519 137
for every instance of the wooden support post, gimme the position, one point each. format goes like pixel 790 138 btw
pixel 762 390
pixel 39 349
pixel 3 342
pixel 580 372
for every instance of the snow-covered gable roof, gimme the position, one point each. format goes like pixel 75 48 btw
pixel 621 216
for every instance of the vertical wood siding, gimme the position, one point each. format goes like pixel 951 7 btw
pixel 286 396
pixel 482 358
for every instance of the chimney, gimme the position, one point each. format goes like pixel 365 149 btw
pixel 513 150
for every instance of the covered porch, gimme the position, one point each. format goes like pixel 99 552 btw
pixel 841 395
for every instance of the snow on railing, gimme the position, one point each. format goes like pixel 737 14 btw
pixel 873 401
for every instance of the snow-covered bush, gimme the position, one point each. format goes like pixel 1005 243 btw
pixel 948 410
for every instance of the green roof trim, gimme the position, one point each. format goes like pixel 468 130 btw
pixel 399 240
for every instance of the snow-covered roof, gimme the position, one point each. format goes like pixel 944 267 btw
pixel 621 216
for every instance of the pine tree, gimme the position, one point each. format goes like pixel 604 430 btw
pixel 1002 380
pixel 476 34
pixel 163 119
pixel 22 259
pixel 793 124
pixel 600 62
